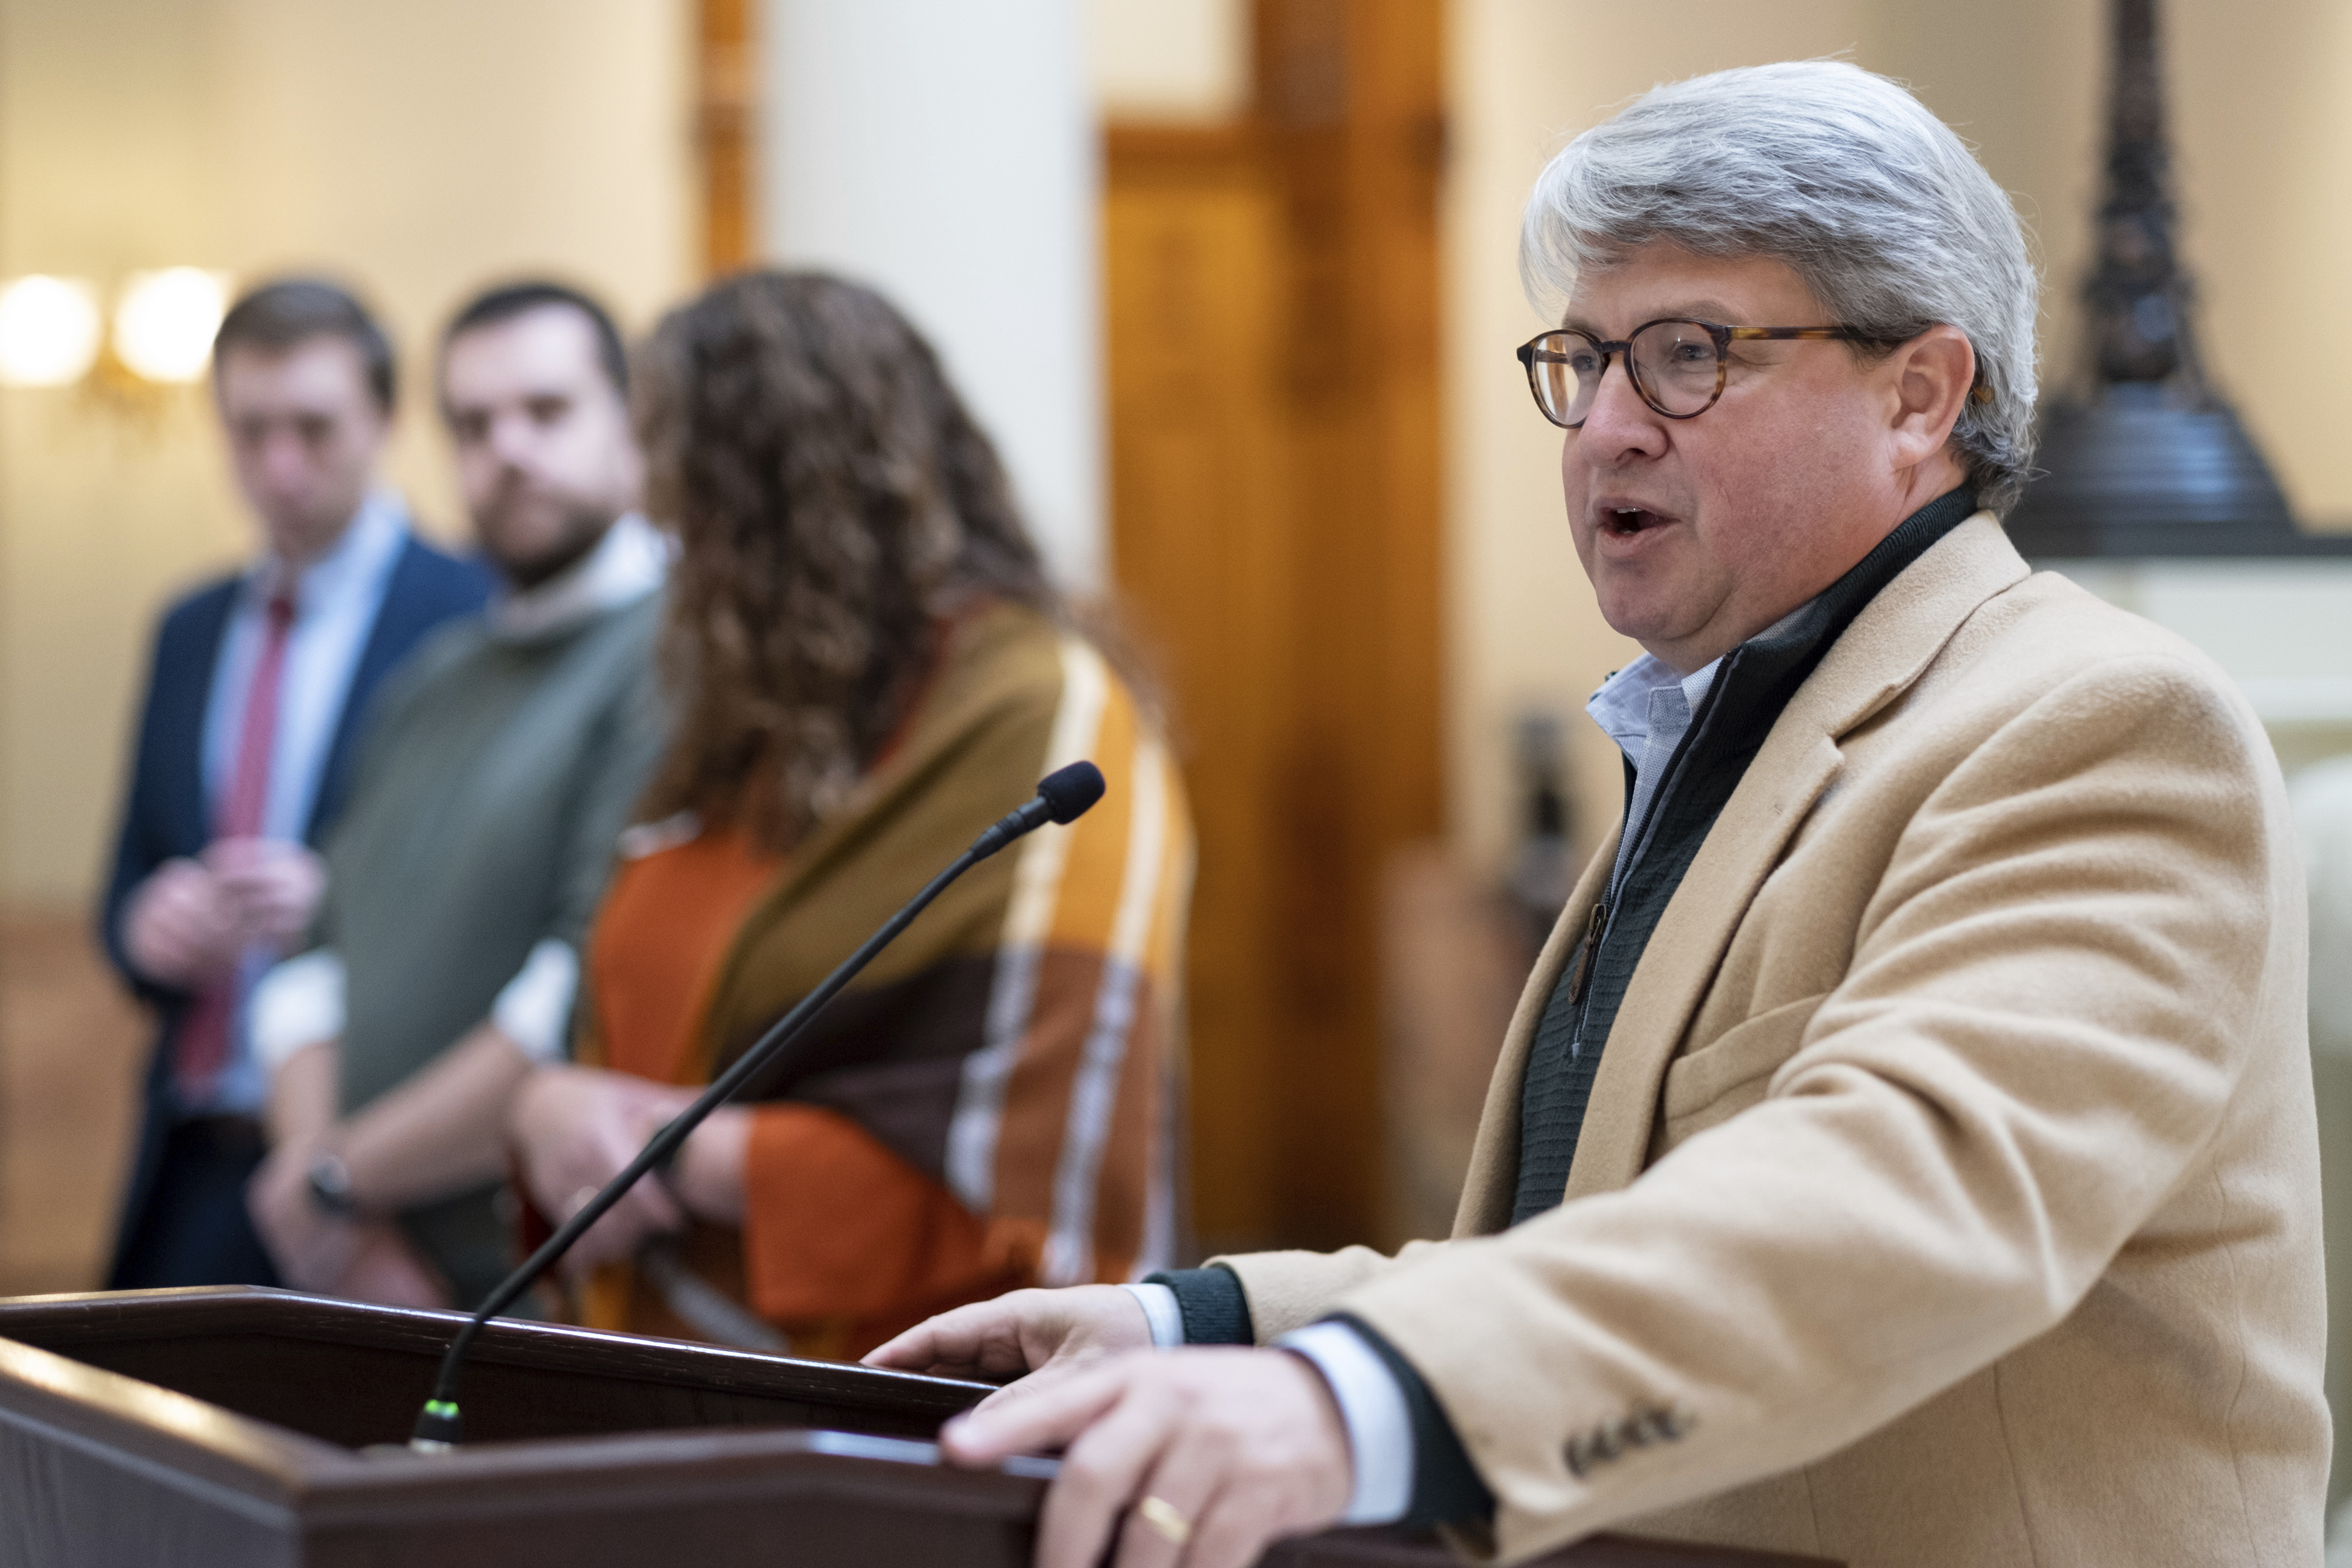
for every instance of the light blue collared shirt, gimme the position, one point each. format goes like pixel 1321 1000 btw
pixel 336 599
pixel 1647 709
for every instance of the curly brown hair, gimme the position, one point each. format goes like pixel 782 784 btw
pixel 834 501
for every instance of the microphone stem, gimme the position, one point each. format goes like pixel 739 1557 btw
pixel 438 1426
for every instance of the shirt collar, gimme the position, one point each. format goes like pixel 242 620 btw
pixel 1622 706
pixel 630 562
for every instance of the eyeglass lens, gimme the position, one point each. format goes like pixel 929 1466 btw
pixel 1673 367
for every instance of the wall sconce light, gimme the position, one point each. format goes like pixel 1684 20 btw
pixel 50 331
pixel 165 322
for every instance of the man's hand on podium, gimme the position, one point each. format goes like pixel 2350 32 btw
pixel 1020 1332
pixel 1206 1455
pixel 1196 1456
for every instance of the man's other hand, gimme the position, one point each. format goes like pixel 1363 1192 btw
pixel 180 927
pixel 1021 1332
pixel 273 886
pixel 1192 1457
pixel 574 1128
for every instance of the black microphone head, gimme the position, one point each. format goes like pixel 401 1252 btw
pixel 1069 792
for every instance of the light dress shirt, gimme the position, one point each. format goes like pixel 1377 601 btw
pixel 300 1002
pixel 1371 1405
pixel 1646 707
pixel 336 599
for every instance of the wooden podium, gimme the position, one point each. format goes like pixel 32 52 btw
pixel 229 1427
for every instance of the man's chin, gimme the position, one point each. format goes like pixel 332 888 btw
pixel 526 567
pixel 1648 613
pixel 304 539
pixel 1639 599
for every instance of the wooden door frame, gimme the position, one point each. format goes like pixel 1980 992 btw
pixel 1344 132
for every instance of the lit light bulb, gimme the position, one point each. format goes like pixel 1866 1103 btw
pixel 49 329
pixel 165 322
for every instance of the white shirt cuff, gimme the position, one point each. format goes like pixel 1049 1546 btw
pixel 1159 1309
pixel 297 1003
pixel 534 1010
pixel 1372 1408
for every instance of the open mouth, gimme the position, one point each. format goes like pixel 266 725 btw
pixel 1626 521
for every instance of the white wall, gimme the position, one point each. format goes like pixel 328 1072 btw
pixel 419 149
pixel 946 152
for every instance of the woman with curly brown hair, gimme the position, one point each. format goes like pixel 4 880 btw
pixel 871 666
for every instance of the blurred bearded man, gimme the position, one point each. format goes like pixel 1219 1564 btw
pixel 1904 1152
pixel 480 833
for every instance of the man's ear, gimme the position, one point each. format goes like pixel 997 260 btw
pixel 1932 376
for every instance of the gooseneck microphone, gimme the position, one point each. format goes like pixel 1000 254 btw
pixel 1063 796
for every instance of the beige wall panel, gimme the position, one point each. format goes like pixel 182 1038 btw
pixel 107 157
pixel 1169 61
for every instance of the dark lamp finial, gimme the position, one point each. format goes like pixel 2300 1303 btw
pixel 2143 457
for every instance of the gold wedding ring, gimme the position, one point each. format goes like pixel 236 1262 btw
pixel 1165 1522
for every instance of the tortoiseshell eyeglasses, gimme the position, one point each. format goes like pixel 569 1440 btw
pixel 1677 365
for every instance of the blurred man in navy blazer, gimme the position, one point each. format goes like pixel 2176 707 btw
pixel 256 701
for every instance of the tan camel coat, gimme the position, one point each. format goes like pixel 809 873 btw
pixel 1949 1192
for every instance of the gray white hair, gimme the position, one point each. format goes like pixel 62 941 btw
pixel 1842 176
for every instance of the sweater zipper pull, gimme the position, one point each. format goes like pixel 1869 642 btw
pixel 1585 952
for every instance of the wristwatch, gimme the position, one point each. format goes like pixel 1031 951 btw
pixel 330 1181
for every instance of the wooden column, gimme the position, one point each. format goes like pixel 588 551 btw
pixel 724 103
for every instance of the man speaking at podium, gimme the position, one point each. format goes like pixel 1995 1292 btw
pixel 1904 1151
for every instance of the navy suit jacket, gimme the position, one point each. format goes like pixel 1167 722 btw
pixel 164 814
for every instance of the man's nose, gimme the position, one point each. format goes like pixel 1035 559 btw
pixel 285 457
pixel 512 441
pixel 1618 421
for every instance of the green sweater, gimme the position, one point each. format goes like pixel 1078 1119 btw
pixel 498 774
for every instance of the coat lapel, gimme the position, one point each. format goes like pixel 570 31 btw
pixel 1885 649
pixel 1797 762
pixel 180 706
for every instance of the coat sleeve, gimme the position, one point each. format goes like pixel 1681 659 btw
pixel 1289 1289
pixel 2084 936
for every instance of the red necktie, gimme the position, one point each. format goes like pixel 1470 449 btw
pixel 203 1050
